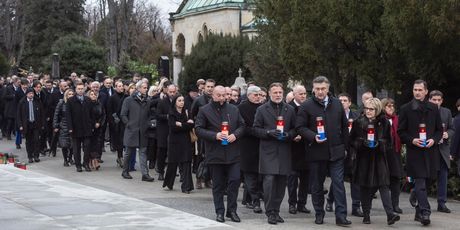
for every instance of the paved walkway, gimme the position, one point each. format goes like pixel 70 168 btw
pixel 50 196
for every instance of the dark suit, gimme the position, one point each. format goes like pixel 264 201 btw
pixel 275 154
pixel 31 128
pixel 19 94
pixel 10 111
pixel 422 163
pixel 328 155
pixel 163 107
pixel 444 150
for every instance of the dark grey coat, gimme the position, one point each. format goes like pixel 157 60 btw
pixel 135 115
pixel 275 155
pixel 444 147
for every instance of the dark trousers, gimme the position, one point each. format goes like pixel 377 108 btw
pixel 367 194
pixel 170 177
pixel 43 139
pixel 253 185
pixel 318 172
pixel 32 142
pixel 355 196
pixel 161 160
pixel 225 176
pixel 19 137
pixel 395 190
pixel 79 143
pixel 66 154
pixel 443 173
pixel 298 188
pixel 9 126
pixel 53 142
pixel 423 206
pixel 152 150
pixel 274 190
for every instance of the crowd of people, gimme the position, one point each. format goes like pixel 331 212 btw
pixel 267 139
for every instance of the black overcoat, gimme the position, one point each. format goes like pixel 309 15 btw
pixel 371 164
pixel 22 118
pixel 275 155
pixel 163 107
pixel 60 122
pixel 336 127
pixel 179 142
pixel 208 124
pixel 79 117
pixel 249 142
pixel 299 157
pixel 420 162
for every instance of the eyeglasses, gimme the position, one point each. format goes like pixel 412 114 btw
pixel 390 105
pixel 369 109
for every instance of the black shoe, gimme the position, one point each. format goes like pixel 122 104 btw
pixel 342 222
pixel 87 168
pixel 220 218
pixel 120 162
pixel 36 159
pixel 71 161
pixel 392 218
pixel 31 160
pixel 272 219
pixel 443 208
pixel 147 178
pixel 417 216
pixel 425 220
pixel 357 212
pixel 161 177
pixel 66 164
pixel 208 184
pixel 53 153
pixel 18 146
pixel 79 169
pixel 366 219
pixel 413 199
pixel 398 210
pixel 100 161
pixel 319 219
pixel 279 219
pixel 151 165
pixel 292 209
pixel 257 208
pixel 233 216
pixel 126 175
pixel 303 209
pixel 329 207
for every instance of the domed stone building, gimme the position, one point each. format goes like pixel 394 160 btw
pixel 194 20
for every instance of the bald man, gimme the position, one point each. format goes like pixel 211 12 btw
pixel 222 150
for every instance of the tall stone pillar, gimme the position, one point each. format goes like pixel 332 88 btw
pixel 177 63
pixel 55 67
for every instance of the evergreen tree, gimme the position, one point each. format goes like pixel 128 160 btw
pixel 45 22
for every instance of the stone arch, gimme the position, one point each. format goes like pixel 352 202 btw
pixel 200 37
pixel 180 45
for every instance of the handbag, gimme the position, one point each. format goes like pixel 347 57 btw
pixel 202 171
pixel 193 136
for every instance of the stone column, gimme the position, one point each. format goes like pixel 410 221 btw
pixel 55 67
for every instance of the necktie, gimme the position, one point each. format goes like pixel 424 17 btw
pixel 31 111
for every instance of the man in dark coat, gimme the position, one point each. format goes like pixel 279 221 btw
pixel 30 120
pixel 135 115
pixel 422 159
pixel 114 120
pixel 328 153
pixel 298 180
pixel 275 149
pixel 196 105
pixel 436 97
pixel 19 94
pixel 10 106
pixel 222 150
pixel 2 106
pixel 80 126
pixel 345 99
pixel 163 107
pixel 40 97
pixel 250 149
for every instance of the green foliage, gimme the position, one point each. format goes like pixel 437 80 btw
pixel 218 57
pixel 78 54
pixel 45 22
pixel 383 43
pixel 142 68
pixel 4 66
pixel 112 71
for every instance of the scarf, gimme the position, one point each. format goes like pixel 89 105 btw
pixel 394 132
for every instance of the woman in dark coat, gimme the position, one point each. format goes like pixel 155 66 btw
pixel 113 116
pixel 394 158
pixel 179 145
pixel 371 171
pixel 60 125
pixel 97 114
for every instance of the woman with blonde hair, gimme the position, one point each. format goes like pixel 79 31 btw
pixel 60 124
pixel 371 144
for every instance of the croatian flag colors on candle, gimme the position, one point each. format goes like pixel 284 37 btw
pixel 320 128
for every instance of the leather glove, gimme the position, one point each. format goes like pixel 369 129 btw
pixel 273 133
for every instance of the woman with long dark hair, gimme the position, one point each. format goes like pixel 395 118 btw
pixel 179 145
